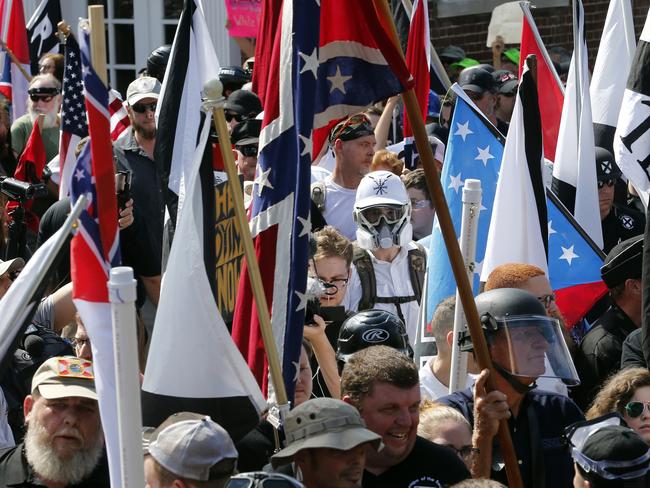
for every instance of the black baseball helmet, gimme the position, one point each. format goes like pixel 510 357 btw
pixel 157 61
pixel 372 328
pixel 233 77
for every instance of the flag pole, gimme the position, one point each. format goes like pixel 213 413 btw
pixel 213 92
pixel 525 7
pixel 14 60
pixel 453 250
pixel 98 41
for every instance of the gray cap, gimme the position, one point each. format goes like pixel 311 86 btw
pixel 143 87
pixel 323 423
pixel 195 449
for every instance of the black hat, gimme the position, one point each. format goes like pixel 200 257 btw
pixel 623 262
pixel 476 79
pixel 244 102
pixel 157 61
pixel 353 127
pixel 371 328
pixel 247 132
pixel 506 82
pixel 606 167
pixel 452 54
pixel 234 77
pixel 487 67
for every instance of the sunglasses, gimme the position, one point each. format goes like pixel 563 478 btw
pixel 258 479
pixel 229 116
pixel 43 98
pixel 609 183
pixel 635 409
pixel 248 151
pixel 143 107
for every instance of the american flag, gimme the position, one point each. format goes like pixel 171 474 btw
pixel 95 247
pixel 331 64
pixel 73 113
pixel 119 116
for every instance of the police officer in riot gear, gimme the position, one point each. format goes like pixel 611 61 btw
pixel 525 344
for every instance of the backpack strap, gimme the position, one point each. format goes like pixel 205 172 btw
pixel 363 264
pixel 417 268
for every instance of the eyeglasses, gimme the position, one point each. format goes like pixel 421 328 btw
pixel 79 342
pixel 249 151
pixel 230 116
pixel 259 479
pixel 143 107
pixel 420 203
pixel 547 299
pixel 332 287
pixel 635 409
pixel 391 214
pixel 465 452
pixel 609 183
pixel 43 98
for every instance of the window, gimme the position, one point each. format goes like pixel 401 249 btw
pixel 454 8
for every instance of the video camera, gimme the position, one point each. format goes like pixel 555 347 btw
pixel 21 191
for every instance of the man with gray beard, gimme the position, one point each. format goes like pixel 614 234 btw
pixel 44 97
pixel 64 444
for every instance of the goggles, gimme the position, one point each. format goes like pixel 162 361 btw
pixel 259 479
pixel 391 214
pixel 143 107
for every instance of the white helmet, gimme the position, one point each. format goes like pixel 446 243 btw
pixel 382 211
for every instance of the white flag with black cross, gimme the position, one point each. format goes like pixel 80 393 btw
pixel 632 137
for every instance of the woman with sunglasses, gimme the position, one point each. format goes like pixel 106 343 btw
pixel 44 98
pixel 628 393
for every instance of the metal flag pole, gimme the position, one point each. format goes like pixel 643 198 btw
pixel 468 233
pixel 122 295
pixel 479 343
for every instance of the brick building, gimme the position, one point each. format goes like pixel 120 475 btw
pixel 554 22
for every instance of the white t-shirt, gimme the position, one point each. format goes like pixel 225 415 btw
pixel 319 174
pixel 431 388
pixel 393 280
pixel 339 205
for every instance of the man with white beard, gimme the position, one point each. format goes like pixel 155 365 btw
pixel 44 98
pixel 64 444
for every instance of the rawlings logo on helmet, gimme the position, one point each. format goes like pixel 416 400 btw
pixel 375 336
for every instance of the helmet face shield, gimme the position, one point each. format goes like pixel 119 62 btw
pixel 532 346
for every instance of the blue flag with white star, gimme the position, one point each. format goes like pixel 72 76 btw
pixel 474 151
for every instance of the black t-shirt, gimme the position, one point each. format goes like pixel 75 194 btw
pixel 428 465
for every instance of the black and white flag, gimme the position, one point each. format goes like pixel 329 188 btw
pixel 611 70
pixel 41 31
pixel 632 138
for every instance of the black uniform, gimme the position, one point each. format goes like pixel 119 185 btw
pixel 620 224
pixel 632 354
pixel 15 471
pixel 603 344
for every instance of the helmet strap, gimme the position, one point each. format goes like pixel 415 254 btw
pixel 518 386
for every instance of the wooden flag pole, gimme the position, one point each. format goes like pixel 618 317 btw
pixel 481 350
pixel 14 60
pixel 98 41
pixel 63 31
pixel 213 91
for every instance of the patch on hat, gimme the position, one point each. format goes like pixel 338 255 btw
pixel 380 188
pixel 75 368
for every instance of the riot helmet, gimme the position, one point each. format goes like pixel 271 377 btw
pixel 382 212
pixel 371 328
pixel 524 341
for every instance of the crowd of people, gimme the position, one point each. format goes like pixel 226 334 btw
pixel 365 411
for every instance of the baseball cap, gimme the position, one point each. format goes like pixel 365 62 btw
pixel 452 53
pixel 246 132
pixel 323 423
pixel 143 87
pixel 11 265
pixel 63 377
pixel 606 167
pixel 512 54
pixel 465 63
pixel 243 102
pixel 623 262
pixel 477 80
pixel 506 82
pixel 193 446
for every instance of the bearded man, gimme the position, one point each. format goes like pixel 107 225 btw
pixel 64 444
pixel 135 153
pixel 44 98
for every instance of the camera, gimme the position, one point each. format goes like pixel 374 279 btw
pixel 21 191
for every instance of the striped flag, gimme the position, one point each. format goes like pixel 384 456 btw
pixel 74 126
pixel 574 168
pixel 13 84
pixel 632 138
pixel 611 70
pixel 418 61
pixel 41 31
pixel 95 248
pixel 232 397
pixel 119 116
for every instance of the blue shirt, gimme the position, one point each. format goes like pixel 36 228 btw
pixel 551 413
